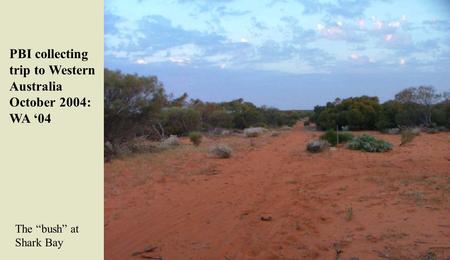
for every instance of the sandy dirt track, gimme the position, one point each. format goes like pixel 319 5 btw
pixel 340 204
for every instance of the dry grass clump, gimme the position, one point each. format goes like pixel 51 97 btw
pixel 221 151
pixel 253 131
pixel 349 214
pixel 317 146
pixel 171 141
pixel 275 133
pixel 408 135
pixel 285 128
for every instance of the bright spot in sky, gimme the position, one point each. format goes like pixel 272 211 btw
pixel 361 23
pixel 354 56
pixel 402 61
pixel 388 37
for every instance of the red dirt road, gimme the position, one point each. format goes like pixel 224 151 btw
pixel 334 205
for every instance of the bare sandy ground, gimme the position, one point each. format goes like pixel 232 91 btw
pixel 341 204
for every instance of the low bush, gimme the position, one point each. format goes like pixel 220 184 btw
pixel 196 138
pixel 221 151
pixel 306 123
pixel 332 137
pixel 285 128
pixel 171 141
pixel 317 146
pixel 275 133
pixel 142 145
pixel 368 143
pixel 253 131
pixel 407 135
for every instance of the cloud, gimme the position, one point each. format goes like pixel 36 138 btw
pixel 181 55
pixel 337 41
pixel 438 25
pixel 111 20
pixel 297 33
pixel 157 32
pixel 217 6
pixel 343 8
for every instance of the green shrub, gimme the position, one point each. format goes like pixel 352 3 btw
pixel 180 121
pixel 331 137
pixel 196 138
pixel 368 143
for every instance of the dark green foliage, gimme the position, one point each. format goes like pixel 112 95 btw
pixel 196 138
pixel 441 114
pixel 180 120
pixel 356 113
pixel 240 114
pixel 331 137
pixel 412 107
pixel 387 115
pixel 221 119
pixel 132 104
pixel 423 97
pixel 368 143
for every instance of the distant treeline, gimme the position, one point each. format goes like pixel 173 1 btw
pixel 415 106
pixel 139 106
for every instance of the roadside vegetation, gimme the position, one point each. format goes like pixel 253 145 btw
pixel 411 107
pixel 138 112
pixel 138 106
pixel 368 143
pixel 334 137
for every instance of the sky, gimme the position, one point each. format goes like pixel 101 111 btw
pixel 289 54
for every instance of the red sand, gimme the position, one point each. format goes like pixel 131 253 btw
pixel 334 205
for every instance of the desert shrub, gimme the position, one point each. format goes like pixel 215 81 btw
pixel 142 145
pixel 285 128
pixel 331 137
pixel 369 143
pixel 275 133
pixel 441 114
pixel 131 103
pixel 306 123
pixel 180 120
pixel 221 119
pixel 196 138
pixel 171 141
pixel 407 135
pixel 317 146
pixel 392 131
pixel 253 131
pixel 218 131
pixel 356 112
pixel 221 151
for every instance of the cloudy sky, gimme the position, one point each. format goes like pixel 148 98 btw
pixel 282 53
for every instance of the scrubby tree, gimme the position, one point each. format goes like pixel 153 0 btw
pixel 356 112
pixel 132 104
pixel 180 120
pixel 423 96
